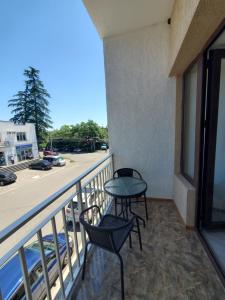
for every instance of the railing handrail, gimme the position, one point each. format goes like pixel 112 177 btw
pixel 16 225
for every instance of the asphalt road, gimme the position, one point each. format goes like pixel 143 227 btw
pixel 32 187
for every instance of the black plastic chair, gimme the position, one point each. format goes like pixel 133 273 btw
pixel 110 234
pixel 128 172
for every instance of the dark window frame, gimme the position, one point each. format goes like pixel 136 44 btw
pixel 21 136
pixel 199 61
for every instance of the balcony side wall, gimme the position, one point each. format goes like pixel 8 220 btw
pixel 141 105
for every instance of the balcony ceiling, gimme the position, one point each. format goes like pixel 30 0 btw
pixel 113 17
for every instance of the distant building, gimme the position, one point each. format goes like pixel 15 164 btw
pixel 17 143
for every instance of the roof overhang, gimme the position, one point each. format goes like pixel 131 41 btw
pixel 115 17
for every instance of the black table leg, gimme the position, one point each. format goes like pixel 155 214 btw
pixel 133 213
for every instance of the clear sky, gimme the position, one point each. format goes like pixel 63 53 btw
pixel 58 38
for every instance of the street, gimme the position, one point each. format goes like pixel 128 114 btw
pixel 34 186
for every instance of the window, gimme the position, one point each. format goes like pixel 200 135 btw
pixel 189 122
pixel 19 294
pixel 21 136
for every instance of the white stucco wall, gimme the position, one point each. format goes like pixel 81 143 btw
pixel 141 105
pixel 185 199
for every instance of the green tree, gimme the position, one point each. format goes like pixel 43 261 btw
pixel 38 100
pixel 82 130
pixel 20 107
pixel 32 104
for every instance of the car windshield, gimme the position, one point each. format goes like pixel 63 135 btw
pixel 48 247
pixel 48 158
pixel 75 205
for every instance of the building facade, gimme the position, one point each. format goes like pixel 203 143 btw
pixel 17 143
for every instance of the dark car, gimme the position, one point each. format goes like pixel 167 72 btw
pixel 7 177
pixel 41 165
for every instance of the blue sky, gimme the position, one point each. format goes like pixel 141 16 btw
pixel 58 38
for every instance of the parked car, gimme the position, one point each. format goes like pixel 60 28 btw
pixel 29 156
pixel 77 150
pixel 104 147
pixel 7 177
pixel 91 195
pixel 55 160
pixel 11 278
pixel 50 152
pixel 41 165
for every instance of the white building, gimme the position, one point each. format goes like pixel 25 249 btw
pixel 17 142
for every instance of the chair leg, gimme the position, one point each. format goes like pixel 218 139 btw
pixel 116 206
pixel 130 240
pixel 146 207
pixel 85 258
pixel 122 206
pixel 139 233
pixel 122 276
pixel 126 208
pixel 134 214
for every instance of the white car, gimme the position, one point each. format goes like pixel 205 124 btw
pixel 55 160
pixel 92 195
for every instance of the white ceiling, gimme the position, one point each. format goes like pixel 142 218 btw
pixel 113 17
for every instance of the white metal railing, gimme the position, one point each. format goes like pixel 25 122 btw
pixel 84 191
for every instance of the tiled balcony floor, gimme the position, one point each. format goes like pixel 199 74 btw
pixel 172 265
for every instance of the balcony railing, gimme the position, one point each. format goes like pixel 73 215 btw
pixel 68 202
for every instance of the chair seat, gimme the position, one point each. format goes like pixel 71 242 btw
pixel 119 236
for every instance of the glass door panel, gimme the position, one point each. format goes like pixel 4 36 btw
pixel 218 207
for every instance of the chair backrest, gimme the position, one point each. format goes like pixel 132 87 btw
pixel 127 172
pixel 99 236
pixel 102 236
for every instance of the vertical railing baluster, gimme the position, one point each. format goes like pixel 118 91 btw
pixel 91 202
pixel 85 197
pixel 67 243
pixel 113 165
pixel 44 265
pixel 108 170
pixel 80 209
pixel 101 193
pixel 104 180
pixel 55 238
pixel 75 234
pixel 95 203
pixel 97 192
pixel 107 177
pixel 86 204
pixel 26 279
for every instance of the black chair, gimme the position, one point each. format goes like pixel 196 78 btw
pixel 128 172
pixel 110 234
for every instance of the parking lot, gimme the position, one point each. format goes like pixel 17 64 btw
pixel 34 186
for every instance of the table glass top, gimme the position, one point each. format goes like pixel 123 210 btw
pixel 125 186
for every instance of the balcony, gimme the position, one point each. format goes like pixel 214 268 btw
pixel 172 265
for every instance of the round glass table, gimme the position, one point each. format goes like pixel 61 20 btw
pixel 126 188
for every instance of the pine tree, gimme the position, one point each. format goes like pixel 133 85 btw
pixel 20 107
pixel 38 102
pixel 31 105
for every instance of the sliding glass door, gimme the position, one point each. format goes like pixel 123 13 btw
pixel 214 166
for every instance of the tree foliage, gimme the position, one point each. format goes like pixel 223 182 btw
pixel 31 105
pixel 89 129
